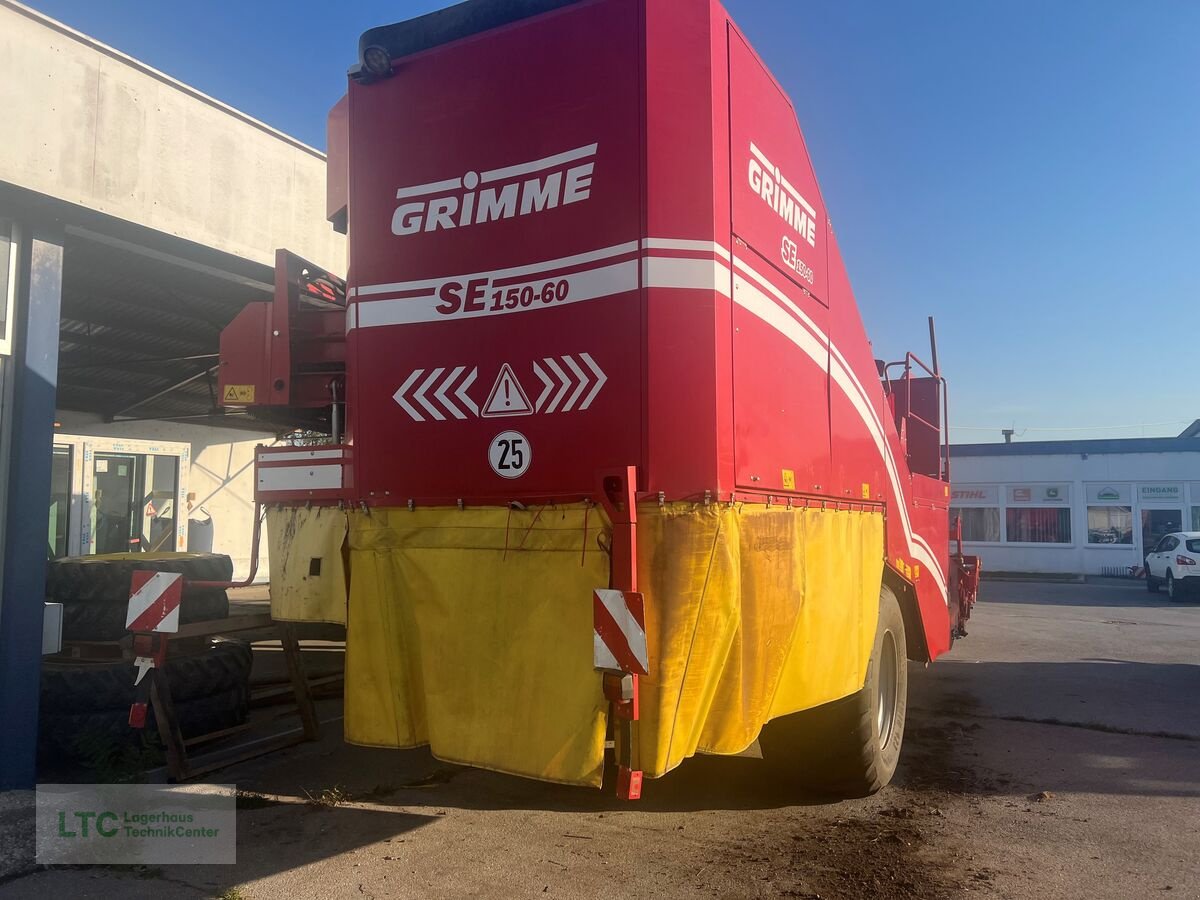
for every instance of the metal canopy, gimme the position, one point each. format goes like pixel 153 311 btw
pixel 141 328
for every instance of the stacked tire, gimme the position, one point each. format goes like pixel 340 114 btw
pixel 85 705
pixel 94 590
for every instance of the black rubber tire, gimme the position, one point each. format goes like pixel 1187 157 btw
pixel 837 749
pixel 105 579
pixel 67 735
pixel 1174 591
pixel 1151 581
pixel 93 621
pixel 87 688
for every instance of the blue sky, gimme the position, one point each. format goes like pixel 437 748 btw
pixel 1026 172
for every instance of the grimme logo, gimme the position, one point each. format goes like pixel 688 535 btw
pixel 478 197
pixel 777 192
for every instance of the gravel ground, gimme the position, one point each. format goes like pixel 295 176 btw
pixel 1054 753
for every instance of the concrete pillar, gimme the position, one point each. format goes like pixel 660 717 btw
pixel 33 369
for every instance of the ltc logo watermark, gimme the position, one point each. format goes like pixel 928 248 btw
pixel 120 824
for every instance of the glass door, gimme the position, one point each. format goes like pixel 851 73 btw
pixel 60 502
pixel 1156 523
pixel 117 485
pixel 158 519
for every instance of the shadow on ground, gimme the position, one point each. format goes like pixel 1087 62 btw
pixel 1129 595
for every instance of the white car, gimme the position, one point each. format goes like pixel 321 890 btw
pixel 1175 562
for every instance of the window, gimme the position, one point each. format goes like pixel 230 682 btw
pixel 1193 546
pixel 8 283
pixel 1038 525
pixel 1110 525
pixel 1195 517
pixel 60 502
pixel 978 523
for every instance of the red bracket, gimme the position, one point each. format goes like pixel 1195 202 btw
pixel 618 496
pixel 153 646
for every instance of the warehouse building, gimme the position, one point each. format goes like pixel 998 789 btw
pixel 138 216
pixel 1092 507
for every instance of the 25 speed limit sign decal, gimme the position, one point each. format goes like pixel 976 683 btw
pixel 510 454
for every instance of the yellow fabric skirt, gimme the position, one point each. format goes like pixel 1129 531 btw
pixel 471 630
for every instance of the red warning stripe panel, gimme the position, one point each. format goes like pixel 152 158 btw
pixel 619 625
pixel 154 602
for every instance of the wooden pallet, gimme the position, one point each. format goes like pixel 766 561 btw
pixel 180 764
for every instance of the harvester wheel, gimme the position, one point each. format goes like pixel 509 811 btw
pixel 850 748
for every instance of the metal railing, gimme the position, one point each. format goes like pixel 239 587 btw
pixel 942 431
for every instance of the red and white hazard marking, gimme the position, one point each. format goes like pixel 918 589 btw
pixel 619 624
pixel 154 602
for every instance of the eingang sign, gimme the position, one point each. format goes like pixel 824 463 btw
pixel 1160 493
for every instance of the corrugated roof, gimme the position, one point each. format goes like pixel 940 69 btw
pixel 134 326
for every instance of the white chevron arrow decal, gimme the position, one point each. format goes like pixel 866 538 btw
pixel 441 394
pixel 461 393
pixel 573 382
pixel 549 386
pixel 569 384
pixel 419 396
pixel 563 378
pixel 601 378
pixel 583 380
pixel 404 404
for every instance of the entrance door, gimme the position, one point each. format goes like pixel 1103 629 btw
pixel 158 519
pixel 1156 523
pixel 58 536
pixel 117 486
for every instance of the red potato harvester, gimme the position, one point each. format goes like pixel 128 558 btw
pixel 613 464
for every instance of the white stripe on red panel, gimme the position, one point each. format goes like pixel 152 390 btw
pixel 805 334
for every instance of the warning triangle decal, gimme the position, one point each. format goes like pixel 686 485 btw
pixel 507 398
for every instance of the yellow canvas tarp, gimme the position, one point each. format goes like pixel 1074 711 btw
pixel 308 574
pixel 471 630
pixel 751 613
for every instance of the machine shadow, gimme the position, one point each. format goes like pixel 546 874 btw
pixel 1101 719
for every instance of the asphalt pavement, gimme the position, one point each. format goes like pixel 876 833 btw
pixel 1054 753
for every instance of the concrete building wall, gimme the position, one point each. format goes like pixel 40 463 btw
pixel 89 125
pixel 221 475
pixel 1138 482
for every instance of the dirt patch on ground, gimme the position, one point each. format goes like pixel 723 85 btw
pixel 894 855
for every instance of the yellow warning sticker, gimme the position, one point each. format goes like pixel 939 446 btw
pixel 238 393
pixel 866 491
pixel 789 480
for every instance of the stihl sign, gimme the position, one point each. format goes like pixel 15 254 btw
pixel 521 189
